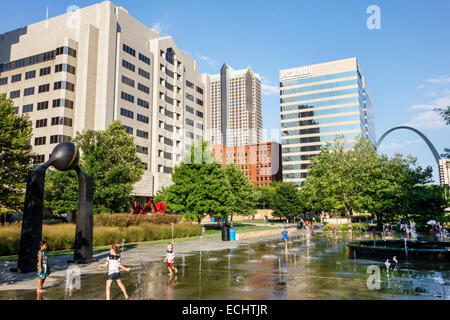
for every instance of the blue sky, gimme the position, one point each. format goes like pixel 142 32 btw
pixel 406 62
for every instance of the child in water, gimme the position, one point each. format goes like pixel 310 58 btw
pixel 170 257
pixel 113 261
pixel 42 266
pixel 284 234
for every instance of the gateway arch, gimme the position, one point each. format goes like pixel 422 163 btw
pixel 428 142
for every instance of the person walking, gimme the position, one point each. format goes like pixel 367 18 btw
pixel 170 257
pixel 2 219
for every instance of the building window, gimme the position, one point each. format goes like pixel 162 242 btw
pixel 128 81
pixel 143 88
pixel 66 50
pixel 61 121
pixel 127 97
pixel 30 75
pixel 144 59
pixel 142 134
pixel 63 103
pixel 45 71
pixel 44 88
pixel 199 114
pixel 59 138
pixel 142 118
pixel 41 123
pixel 64 67
pixel 129 50
pixel 168 100
pixel 189 122
pixel 128 65
pixel 128 129
pixel 199 90
pixel 40 141
pixel 189 84
pixel 3 81
pixel 169 86
pixel 27 108
pixel 16 78
pixel 170 55
pixel 199 102
pixel 143 103
pixel 190 97
pixel 28 91
pixel 190 109
pixel 170 73
pixel 14 94
pixel 141 149
pixel 40 158
pixel 144 73
pixel 126 113
pixel 42 105
pixel 64 85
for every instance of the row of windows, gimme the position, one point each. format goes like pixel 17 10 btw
pixel 39 58
pixel 130 114
pixel 304 157
pixel 43 88
pixel 301 175
pixel 55 121
pixel 318 78
pixel 319 87
pixel 44 105
pixel 319 95
pixel 141 149
pixel 317 104
pixel 355 126
pixel 320 112
pixel 296 166
pixel 333 118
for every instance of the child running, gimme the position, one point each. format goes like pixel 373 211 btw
pixel 284 234
pixel 170 257
pixel 42 266
pixel 113 261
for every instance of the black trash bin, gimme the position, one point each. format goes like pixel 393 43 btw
pixel 225 232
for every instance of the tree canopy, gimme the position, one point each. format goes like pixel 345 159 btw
pixel 108 156
pixel 286 201
pixel 15 155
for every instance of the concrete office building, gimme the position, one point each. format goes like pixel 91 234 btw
pixel 319 102
pixel 260 162
pixel 235 116
pixel 85 69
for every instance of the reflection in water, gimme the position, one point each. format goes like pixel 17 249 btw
pixel 316 267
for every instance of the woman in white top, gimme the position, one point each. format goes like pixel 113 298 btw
pixel 113 262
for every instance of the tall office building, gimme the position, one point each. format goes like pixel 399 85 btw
pixel 87 68
pixel 235 116
pixel 319 102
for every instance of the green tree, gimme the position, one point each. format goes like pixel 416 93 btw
pixel 286 201
pixel 200 186
pixel 108 156
pixel 242 201
pixel 444 113
pixel 264 195
pixel 341 179
pixel 15 155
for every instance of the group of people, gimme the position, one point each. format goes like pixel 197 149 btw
pixel 6 218
pixel 437 232
pixel 113 263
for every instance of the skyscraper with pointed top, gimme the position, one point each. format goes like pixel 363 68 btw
pixel 235 116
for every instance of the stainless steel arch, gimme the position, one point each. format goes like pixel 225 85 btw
pixel 428 142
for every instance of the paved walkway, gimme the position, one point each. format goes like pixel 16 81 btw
pixel 130 257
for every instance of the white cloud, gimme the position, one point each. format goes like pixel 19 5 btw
pixel 439 80
pixel 208 60
pixel 414 141
pixel 442 102
pixel 267 88
pixel 426 120
pixel 422 107
pixel 390 146
pixel 160 28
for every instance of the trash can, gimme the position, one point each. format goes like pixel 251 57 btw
pixel 232 234
pixel 225 233
pixel 212 219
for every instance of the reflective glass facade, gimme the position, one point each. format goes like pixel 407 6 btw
pixel 332 99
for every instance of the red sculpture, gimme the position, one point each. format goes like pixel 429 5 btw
pixel 159 207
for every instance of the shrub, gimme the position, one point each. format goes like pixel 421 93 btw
pixel 124 220
pixel 62 236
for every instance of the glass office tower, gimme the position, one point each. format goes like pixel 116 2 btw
pixel 319 102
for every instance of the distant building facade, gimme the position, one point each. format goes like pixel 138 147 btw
pixel 235 116
pixel 260 162
pixel 444 171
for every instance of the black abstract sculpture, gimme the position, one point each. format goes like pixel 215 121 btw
pixel 65 157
